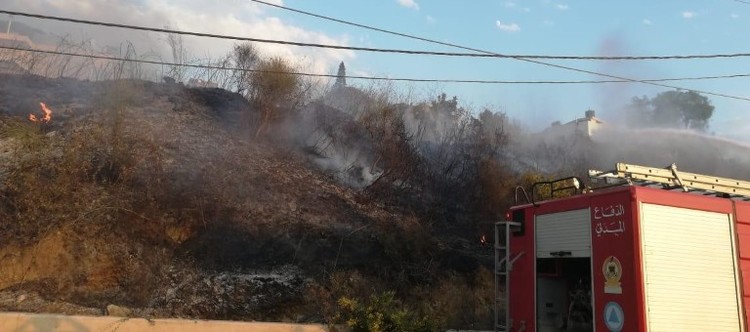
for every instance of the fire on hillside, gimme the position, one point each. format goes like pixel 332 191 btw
pixel 47 115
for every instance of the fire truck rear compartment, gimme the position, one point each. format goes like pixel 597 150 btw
pixel 563 270
pixel 564 294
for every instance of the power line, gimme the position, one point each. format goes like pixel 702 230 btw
pixel 375 78
pixel 380 50
pixel 534 61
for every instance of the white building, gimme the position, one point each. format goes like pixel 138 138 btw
pixel 586 125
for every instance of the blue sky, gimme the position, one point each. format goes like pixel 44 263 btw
pixel 548 27
pixel 543 27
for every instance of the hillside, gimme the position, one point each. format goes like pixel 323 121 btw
pixel 157 197
pixel 186 202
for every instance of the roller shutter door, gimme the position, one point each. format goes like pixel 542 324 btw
pixel 568 231
pixel 689 264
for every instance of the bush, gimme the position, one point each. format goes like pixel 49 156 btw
pixel 461 301
pixel 382 313
pixel 275 91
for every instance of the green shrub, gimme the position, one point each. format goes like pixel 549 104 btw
pixel 382 313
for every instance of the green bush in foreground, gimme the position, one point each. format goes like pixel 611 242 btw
pixel 382 313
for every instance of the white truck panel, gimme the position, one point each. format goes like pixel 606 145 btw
pixel 568 231
pixel 690 275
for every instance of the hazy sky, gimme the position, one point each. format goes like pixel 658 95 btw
pixel 540 27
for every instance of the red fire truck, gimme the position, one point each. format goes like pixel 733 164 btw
pixel 651 249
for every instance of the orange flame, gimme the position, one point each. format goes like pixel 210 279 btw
pixel 47 115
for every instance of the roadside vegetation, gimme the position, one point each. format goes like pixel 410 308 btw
pixel 274 197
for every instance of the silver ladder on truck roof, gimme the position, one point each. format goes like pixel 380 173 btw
pixel 671 178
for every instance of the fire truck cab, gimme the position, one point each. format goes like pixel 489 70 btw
pixel 655 250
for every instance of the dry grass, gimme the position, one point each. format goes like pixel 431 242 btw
pixel 154 179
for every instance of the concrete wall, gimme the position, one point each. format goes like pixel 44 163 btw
pixel 22 322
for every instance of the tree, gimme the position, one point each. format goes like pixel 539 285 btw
pixel 675 108
pixel 341 76
pixel 491 179
pixel 275 90
pixel 690 108
pixel 445 106
pixel 179 56
pixel 245 58
pixel 490 133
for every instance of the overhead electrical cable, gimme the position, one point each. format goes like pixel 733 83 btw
pixel 528 60
pixel 383 50
pixel 377 78
pixel 200 34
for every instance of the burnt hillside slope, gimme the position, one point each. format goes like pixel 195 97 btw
pixel 159 198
